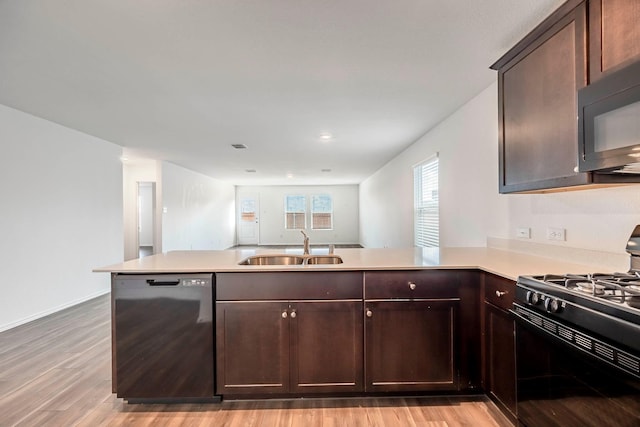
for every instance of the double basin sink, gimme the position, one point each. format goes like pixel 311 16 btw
pixel 286 259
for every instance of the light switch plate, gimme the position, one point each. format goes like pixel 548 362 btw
pixel 523 233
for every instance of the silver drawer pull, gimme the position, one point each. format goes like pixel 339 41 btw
pixel 284 314
pixel 293 314
pixel 412 286
pixel 500 293
pixel 369 313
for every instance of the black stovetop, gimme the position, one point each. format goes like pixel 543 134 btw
pixel 616 294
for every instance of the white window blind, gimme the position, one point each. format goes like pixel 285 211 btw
pixel 426 210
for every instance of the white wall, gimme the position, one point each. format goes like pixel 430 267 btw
pixel 272 231
pixel 200 211
pixel 471 208
pixel 61 216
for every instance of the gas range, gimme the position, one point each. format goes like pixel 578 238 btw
pixel 578 347
pixel 598 314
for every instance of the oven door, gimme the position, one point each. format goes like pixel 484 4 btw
pixel 558 385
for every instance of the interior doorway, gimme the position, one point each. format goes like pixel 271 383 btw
pixel 146 218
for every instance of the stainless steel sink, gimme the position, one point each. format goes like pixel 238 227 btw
pixel 273 260
pixel 324 259
pixel 285 259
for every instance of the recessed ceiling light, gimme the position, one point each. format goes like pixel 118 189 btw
pixel 250 170
pixel 289 175
pixel 239 146
pixel 326 136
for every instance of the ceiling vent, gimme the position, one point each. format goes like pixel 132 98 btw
pixel 250 170
pixel 239 146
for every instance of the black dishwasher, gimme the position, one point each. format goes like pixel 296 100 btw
pixel 163 337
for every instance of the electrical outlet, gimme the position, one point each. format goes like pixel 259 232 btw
pixel 523 233
pixel 554 233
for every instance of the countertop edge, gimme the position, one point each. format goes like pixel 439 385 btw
pixel 503 263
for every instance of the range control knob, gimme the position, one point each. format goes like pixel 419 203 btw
pixel 552 305
pixel 533 298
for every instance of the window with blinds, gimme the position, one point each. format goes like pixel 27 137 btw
pixel 321 212
pixel 295 212
pixel 426 210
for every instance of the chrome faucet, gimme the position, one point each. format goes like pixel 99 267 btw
pixel 306 242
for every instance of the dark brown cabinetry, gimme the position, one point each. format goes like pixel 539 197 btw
pixel 538 82
pixel 614 35
pixel 499 344
pixel 252 348
pixel 273 344
pixel 326 347
pixel 411 331
pixel 537 103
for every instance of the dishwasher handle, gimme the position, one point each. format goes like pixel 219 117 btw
pixel 153 282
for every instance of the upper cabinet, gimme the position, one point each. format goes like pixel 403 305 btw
pixel 614 36
pixel 538 81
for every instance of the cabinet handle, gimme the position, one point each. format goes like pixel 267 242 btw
pixel 412 286
pixel 284 314
pixel 293 314
pixel 369 313
pixel 500 293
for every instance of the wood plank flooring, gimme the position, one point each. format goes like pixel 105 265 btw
pixel 56 371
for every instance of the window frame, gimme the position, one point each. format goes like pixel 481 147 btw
pixel 295 213
pixel 314 212
pixel 426 211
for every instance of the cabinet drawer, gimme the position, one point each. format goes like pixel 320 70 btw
pixel 411 284
pixel 288 286
pixel 499 291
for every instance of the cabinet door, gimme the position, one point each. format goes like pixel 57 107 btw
pixel 252 341
pixel 500 359
pixel 614 35
pixel 326 347
pixel 537 108
pixel 411 345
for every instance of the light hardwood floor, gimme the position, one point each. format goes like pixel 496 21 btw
pixel 56 371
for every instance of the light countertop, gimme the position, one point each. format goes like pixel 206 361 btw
pixel 501 262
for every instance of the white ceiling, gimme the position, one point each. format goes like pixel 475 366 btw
pixel 182 80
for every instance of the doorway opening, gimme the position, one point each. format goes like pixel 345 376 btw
pixel 146 218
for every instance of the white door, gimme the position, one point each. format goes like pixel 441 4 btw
pixel 248 221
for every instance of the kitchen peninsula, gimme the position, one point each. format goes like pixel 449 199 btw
pixel 382 321
pixel 507 264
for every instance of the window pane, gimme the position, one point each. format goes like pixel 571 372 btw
pixel 426 205
pixel 295 204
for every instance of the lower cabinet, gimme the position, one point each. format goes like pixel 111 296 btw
pixel 252 341
pixel 411 331
pixel 499 344
pixel 311 333
pixel 294 347
pixel 411 345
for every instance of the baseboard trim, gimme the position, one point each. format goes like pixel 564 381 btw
pixel 45 313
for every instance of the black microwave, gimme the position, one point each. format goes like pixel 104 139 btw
pixel 609 123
